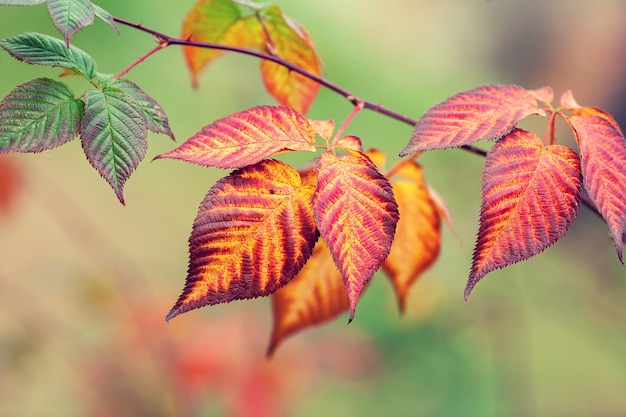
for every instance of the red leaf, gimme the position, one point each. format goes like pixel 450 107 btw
pixel 603 159
pixel 290 41
pixel 246 138
pixel 10 183
pixel 486 112
pixel 417 240
pixel 254 231
pixel 531 194
pixel 356 215
pixel 316 295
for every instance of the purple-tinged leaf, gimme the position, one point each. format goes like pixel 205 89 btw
pixel 153 113
pixel 38 115
pixel 106 17
pixel 113 134
pixel 70 16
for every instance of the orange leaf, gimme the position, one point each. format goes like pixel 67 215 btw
pixel 290 41
pixel 214 21
pixel 350 142
pixel 356 215
pixel 486 112
pixel 378 157
pixel 531 194
pixel 254 231
pixel 314 296
pixel 603 159
pixel 247 137
pixel 417 241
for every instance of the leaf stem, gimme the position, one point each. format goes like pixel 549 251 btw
pixel 357 108
pixel 550 129
pixel 162 45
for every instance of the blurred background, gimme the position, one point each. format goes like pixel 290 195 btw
pixel 85 283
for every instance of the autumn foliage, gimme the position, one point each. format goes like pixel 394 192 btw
pixel 313 237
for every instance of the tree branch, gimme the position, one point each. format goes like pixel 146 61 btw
pixel 167 40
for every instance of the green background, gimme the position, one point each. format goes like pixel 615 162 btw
pixel 85 283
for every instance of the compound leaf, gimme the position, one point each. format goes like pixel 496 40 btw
pixel 417 240
pixel 247 137
pixel 531 194
pixel 153 113
pixel 39 49
pixel 314 296
pixel 38 115
pixel 290 41
pixel 113 135
pixel 486 112
pixel 603 159
pixel 356 215
pixel 214 21
pixel 253 233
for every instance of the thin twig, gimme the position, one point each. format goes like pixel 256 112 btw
pixel 355 100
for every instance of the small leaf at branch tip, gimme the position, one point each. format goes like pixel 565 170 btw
pixel 568 102
pixel 543 94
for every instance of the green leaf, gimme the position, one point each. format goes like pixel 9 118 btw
pixel 38 115
pixel 38 49
pixel 106 17
pixel 153 113
pixel 113 134
pixel 70 16
pixel 21 2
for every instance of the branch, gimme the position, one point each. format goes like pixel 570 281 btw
pixel 166 40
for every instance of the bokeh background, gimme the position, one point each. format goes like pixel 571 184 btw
pixel 85 283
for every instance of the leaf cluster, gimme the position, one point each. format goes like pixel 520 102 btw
pixel 313 237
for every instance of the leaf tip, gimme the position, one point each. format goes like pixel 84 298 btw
pixel 173 313
pixel 120 197
pixel 471 283
pixel 352 311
